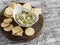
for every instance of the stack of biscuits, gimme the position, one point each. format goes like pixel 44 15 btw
pixel 17 30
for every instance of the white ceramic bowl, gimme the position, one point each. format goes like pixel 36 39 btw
pixel 20 8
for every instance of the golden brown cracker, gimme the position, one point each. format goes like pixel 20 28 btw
pixel 8 28
pixel 7 15
pixel 12 5
pixel 18 34
pixel 4 24
pixel 29 31
pixel 9 11
pixel 27 6
pixel 37 10
pixel 7 20
pixel 17 29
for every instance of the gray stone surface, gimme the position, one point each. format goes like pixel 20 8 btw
pixel 50 34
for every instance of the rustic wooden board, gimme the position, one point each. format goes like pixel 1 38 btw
pixel 8 35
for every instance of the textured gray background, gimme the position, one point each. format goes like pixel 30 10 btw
pixel 51 29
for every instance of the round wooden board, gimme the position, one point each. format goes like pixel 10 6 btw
pixel 23 38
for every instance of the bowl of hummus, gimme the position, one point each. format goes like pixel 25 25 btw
pixel 24 17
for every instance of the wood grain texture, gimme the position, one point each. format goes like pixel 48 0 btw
pixel 51 28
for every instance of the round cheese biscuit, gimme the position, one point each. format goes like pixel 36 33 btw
pixel 7 20
pixel 27 6
pixel 9 11
pixel 7 15
pixel 37 10
pixel 29 31
pixel 17 29
pixel 12 5
pixel 8 28
pixel 4 24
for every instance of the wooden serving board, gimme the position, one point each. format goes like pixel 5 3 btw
pixel 23 38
